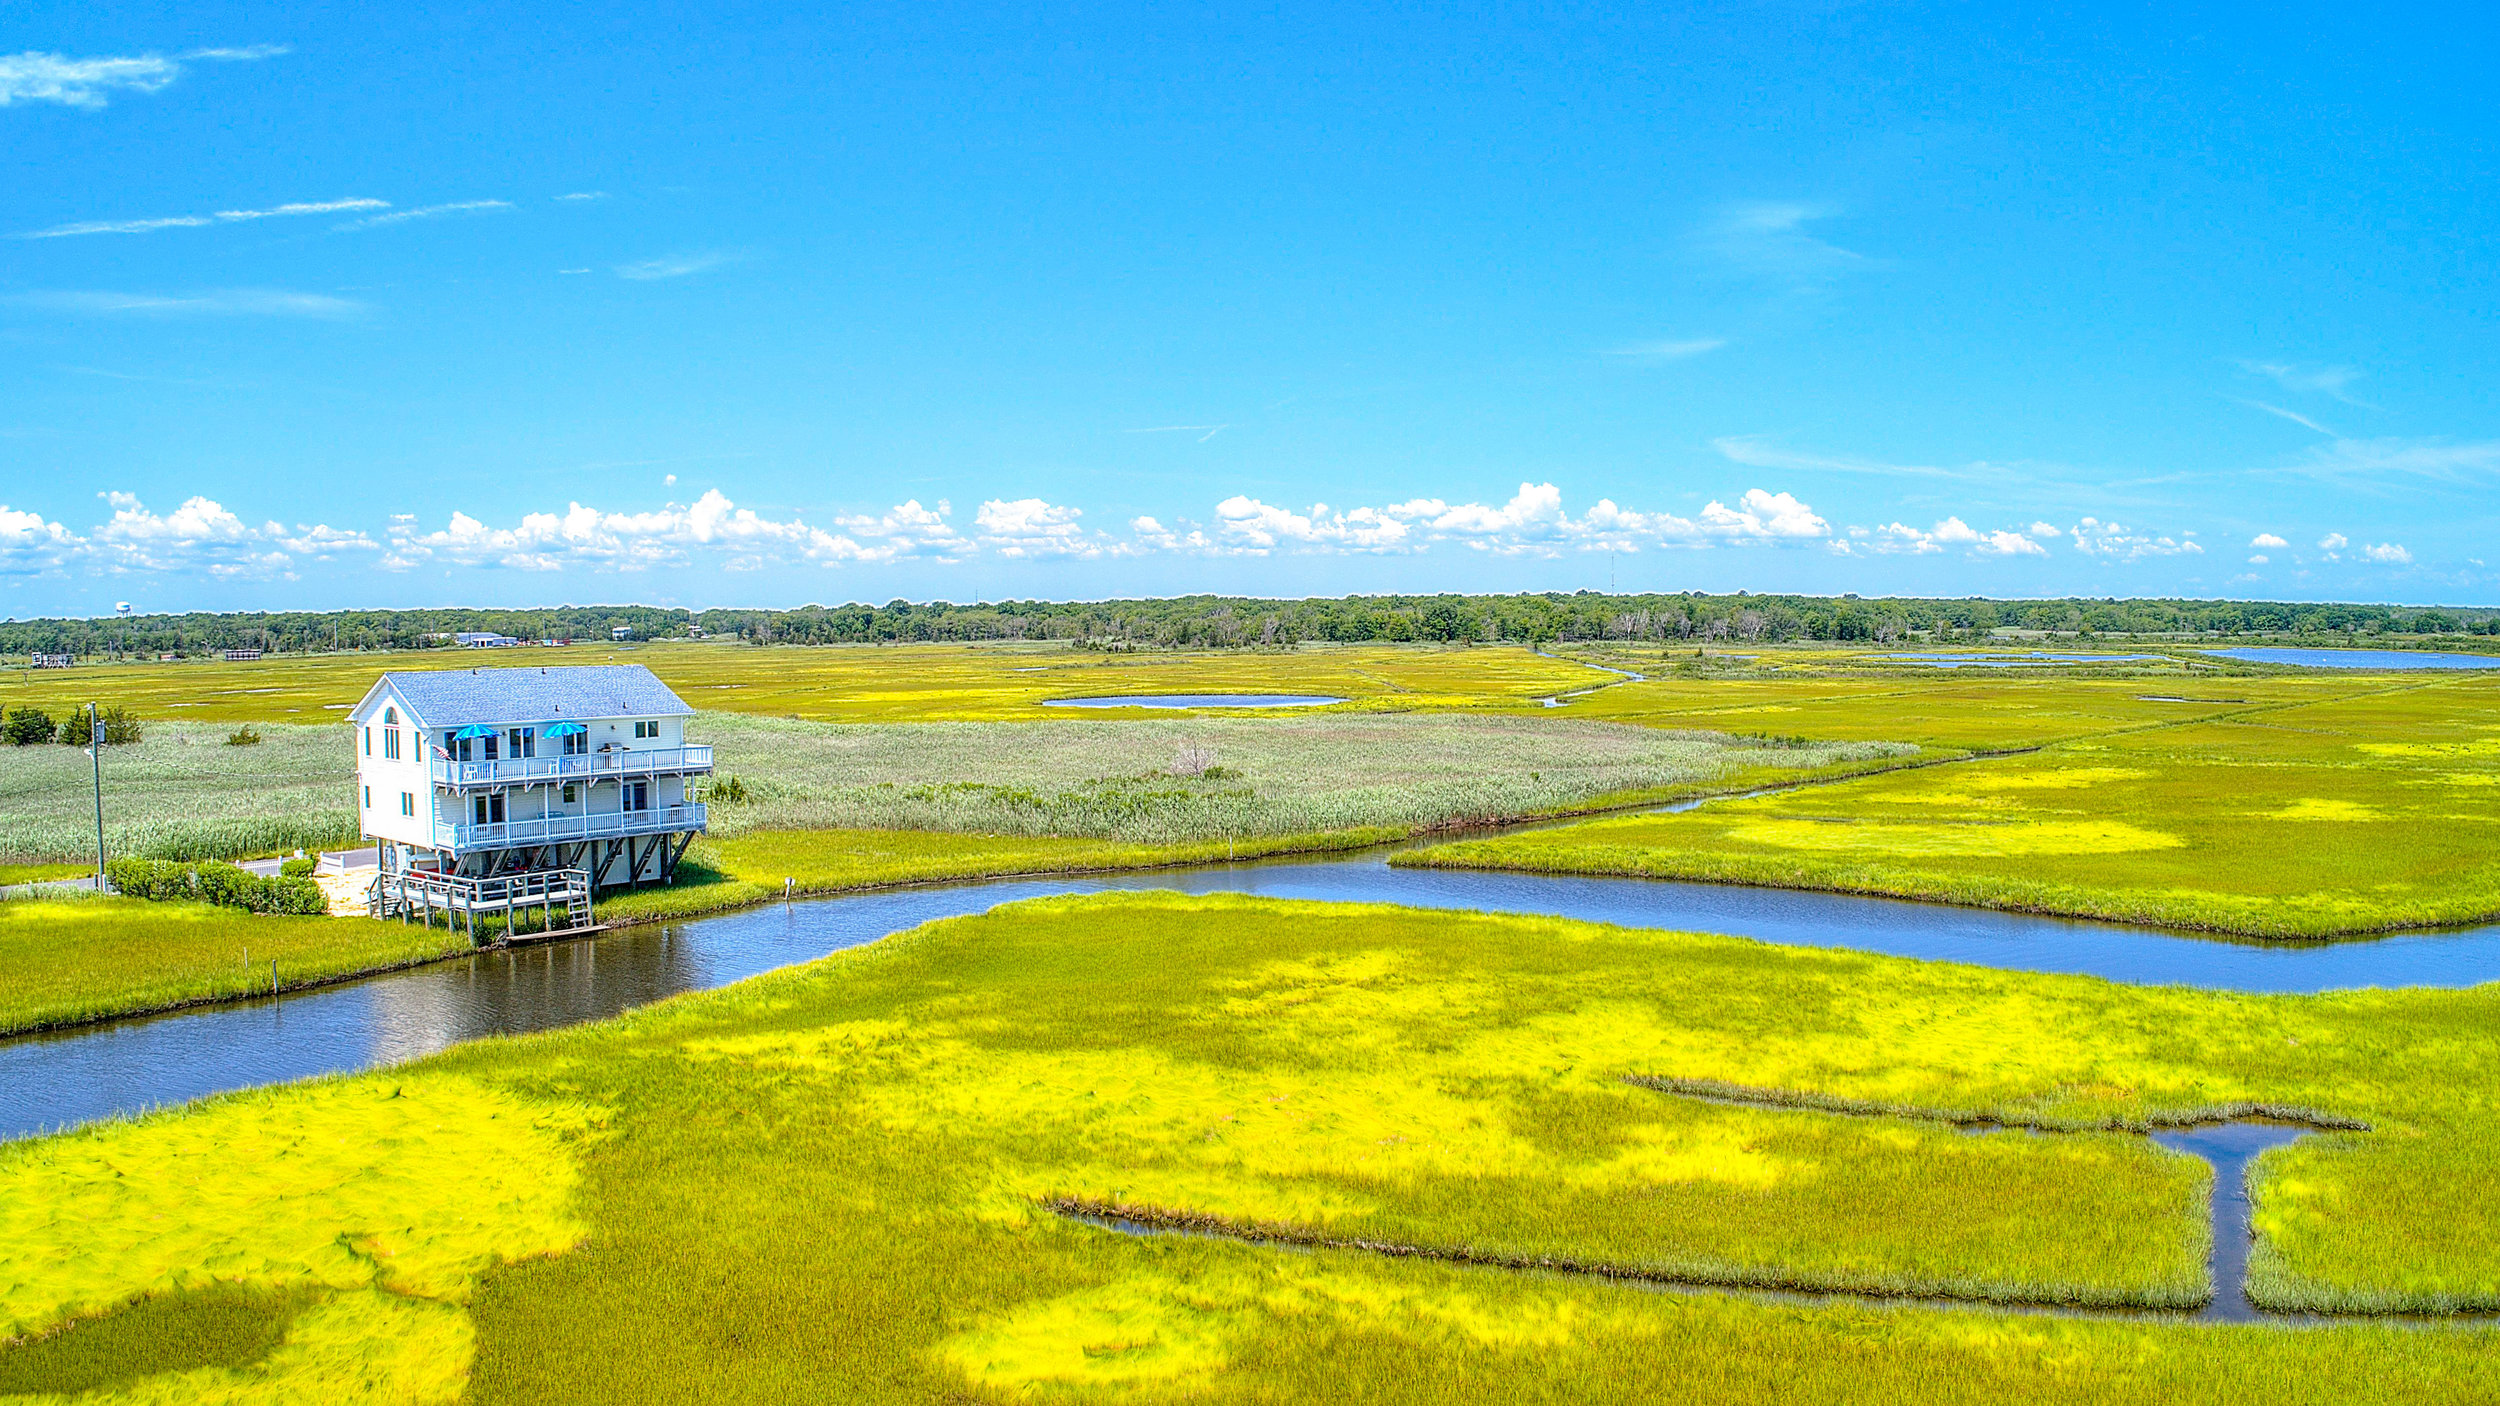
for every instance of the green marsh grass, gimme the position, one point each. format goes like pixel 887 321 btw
pixel 832 1182
pixel 2355 814
pixel 68 960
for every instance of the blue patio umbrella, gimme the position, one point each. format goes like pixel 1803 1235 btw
pixel 565 730
pixel 472 730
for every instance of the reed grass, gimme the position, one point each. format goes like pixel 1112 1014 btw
pixel 181 793
pixel 1271 776
pixel 834 1182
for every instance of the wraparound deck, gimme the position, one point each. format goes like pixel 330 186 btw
pixel 565 829
pixel 584 766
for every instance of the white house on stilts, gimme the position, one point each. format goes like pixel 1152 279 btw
pixel 518 791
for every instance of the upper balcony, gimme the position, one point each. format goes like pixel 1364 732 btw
pixel 581 766
pixel 558 829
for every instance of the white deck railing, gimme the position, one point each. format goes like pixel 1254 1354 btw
pixel 557 829
pixel 582 766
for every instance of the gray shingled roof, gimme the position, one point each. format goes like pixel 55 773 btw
pixel 457 697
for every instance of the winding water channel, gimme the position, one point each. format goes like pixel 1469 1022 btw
pixel 72 1077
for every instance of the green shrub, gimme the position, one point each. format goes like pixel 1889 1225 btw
pixel 24 726
pixel 120 727
pixel 221 884
pixel 300 867
pixel 242 737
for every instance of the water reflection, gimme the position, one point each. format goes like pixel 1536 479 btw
pixel 99 1071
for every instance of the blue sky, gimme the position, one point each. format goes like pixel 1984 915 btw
pixel 346 306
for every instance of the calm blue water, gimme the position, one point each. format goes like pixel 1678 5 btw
pixel 2360 658
pixel 2013 661
pixel 99 1071
pixel 1198 700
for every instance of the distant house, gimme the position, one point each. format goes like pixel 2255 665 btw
pixel 621 632
pixel 242 656
pixel 54 661
pixel 482 639
pixel 478 782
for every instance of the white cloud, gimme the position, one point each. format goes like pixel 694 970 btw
pixel 907 530
pixel 33 77
pixel 2259 560
pixel 1762 516
pixel 1533 522
pixel 203 535
pixel 1246 525
pixel 31 543
pixel 427 212
pixel 2268 541
pixel 2388 552
pixel 2046 531
pixel 1952 532
pixel 273 212
pixel 2471 464
pixel 1030 527
pixel 1150 535
pixel 57 78
pixel 583 195
pixel 2116 543
pixel 2294 416
pixel 225 302
pixel 1670 350
pixel 674 266
pixel 2334 542
pixel 2292 376
pixel 1768 239
pixel 549 541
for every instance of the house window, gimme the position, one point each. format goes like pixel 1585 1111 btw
pixel 651 729
pixel 520 742
pixel 368 798
pixel 390 744
pixel 638 795
pixel 407 803
pixel 489 809
pixel 391 716
pixel 576 744
pixel 572 792
pixel 368 742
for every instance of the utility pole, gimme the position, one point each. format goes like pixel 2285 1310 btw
pixel 95 750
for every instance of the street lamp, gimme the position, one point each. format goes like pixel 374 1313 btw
pixel 95 750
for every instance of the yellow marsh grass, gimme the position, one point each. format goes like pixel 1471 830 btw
pixel 388 1196
pixel 2354 814
pixel 839 683
pixel 820 1184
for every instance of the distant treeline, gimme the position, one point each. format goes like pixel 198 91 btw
pixel 1233 621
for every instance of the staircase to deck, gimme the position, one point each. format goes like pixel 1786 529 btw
pixel 559 899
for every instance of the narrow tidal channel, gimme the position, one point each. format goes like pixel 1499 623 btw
pixel 60 1080
pixel 2227 1148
